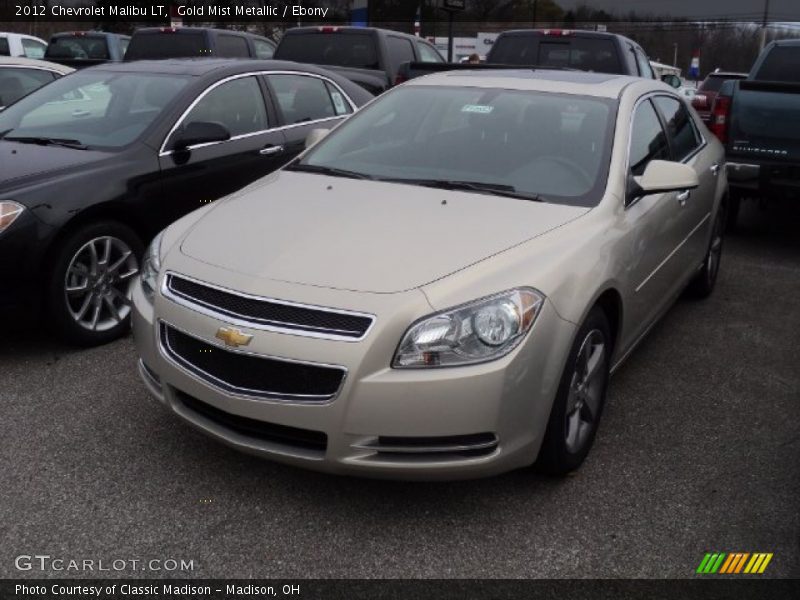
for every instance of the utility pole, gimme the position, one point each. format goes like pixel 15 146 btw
pixel 675 54
pixel 764 26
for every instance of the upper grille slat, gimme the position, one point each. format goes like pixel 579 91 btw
pixel 249 374
pixel 270 313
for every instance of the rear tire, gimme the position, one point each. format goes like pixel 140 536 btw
pixel 581 395
pixel 704 282
pixel 88 287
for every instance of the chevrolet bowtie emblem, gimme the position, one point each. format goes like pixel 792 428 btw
pixel 233 336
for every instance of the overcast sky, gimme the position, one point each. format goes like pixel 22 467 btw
pixel 745 10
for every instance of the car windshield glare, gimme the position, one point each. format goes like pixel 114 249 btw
pixel 100 109
pixel 550 147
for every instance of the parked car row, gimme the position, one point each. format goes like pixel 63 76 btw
pixel 438 287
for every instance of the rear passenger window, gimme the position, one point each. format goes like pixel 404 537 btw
pixel 645 70
pixel 400 51
pixel 302 98
pixel 648 141
pixel 263 49
pixel 428 54
pixel 5 49
pixel 340 104
pixel 232 46
pixel 681 130
pixel 32 48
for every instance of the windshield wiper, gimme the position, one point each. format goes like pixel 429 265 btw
pixel 47 141
pixel 327 171
pixel 495 189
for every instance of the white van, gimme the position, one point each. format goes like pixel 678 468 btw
pixel 19 44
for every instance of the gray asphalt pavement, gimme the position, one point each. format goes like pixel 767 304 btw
pixel 698 451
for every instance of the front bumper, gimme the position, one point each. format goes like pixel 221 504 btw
pixel 21 256
pixel 464 422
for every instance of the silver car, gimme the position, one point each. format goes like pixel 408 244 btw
pixel 442 286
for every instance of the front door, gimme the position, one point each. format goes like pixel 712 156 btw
pixel 656 228
pixel 205 172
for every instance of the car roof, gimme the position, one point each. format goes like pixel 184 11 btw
pixel 19 61
pixel 197 67
pixel 605 85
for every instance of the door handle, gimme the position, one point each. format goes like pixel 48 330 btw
pixel 270 150
pixel 683 197
pixel 714 168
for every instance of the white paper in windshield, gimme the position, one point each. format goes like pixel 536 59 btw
pixel 477 108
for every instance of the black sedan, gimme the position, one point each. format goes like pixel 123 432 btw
pixel 94 164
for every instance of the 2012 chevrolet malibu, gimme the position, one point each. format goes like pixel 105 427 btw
pixel 93 165
pixel 441 287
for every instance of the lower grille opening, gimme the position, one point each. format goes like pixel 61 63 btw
pixel 251 375
pixel 438 447
pixel 261 430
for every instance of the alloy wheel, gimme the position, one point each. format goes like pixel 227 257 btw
pixel 715 250
pixel 585 391
pixel 97 283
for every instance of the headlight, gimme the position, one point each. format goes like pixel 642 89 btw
pixel 151 265
pixel 9 211
pixel 472 333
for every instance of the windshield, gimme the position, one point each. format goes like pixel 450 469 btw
pixel 95 108
pixel 552 147
pixel 356 50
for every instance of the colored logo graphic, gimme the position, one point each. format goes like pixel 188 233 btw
pixel 734 563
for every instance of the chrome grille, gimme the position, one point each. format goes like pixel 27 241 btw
pixel 268 313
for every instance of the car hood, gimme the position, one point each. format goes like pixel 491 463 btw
pixel 23 164
pixel 362 235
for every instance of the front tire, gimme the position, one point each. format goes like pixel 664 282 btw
pixel 580 398
pixel 88 288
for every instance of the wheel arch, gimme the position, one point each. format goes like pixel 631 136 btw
pixel 106 211
pixel 610 302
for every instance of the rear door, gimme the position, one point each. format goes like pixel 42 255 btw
pixel 687 146
pixel 305 102
pixel 206 172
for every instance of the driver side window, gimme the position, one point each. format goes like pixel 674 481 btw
pixel 648 140
pixel 238 105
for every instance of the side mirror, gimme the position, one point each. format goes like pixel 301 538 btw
pixel 672 80
pixel 662 176
pixel 316 135
pixel 200 132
